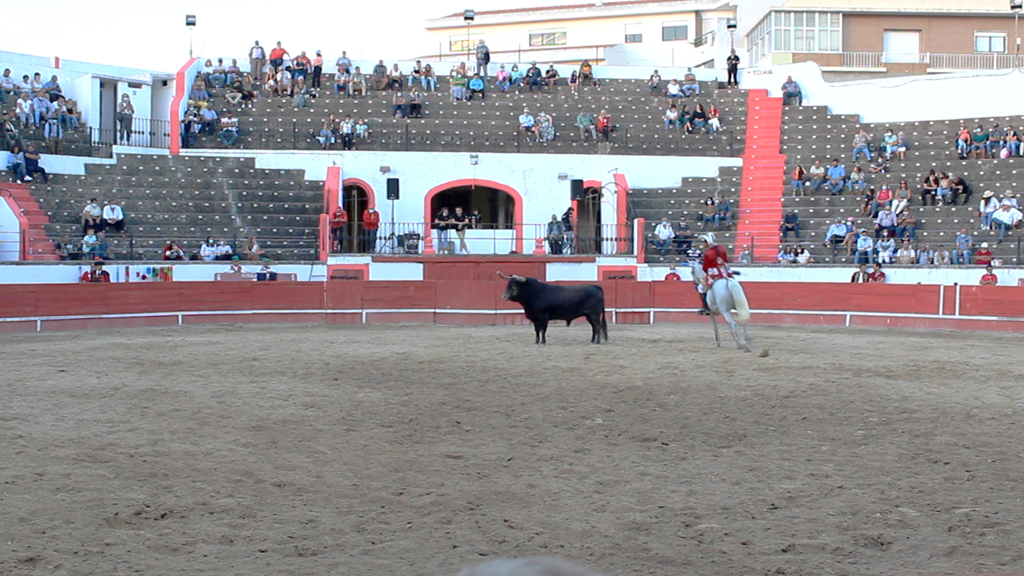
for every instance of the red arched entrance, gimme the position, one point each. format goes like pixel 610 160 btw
pixel 356 196
pixel 470 183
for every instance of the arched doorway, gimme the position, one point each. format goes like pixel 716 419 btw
pixel 354 199
pixel 588 222
pixel 500 206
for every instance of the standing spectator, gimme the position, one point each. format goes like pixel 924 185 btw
pixel 173 252
pixel 277 55
pixel 732 64
pixel 988 207
pixel 443 224
pixel 476 86
pixel 1006 219
pixel 460 221
pixel 690 85
pixel 790 223
pixel 555 234
pixel 817 174
pixel 860 145
pixel 570 232
pixel 836 177
pixel 318 69
pixel 344 64
pixel 877 276
pixel 257 59
pixel 125 116
pixel 54 134
pixel 339 225
pixel 585 122
pixel 861 276
pixel 663 235
pixel 989 278
pixel 983 256
pixel 371 223
pixel 229 129
pixel 604 125
pixel 654 83
pixel 790 89
pixel 113 216
pixel 96 273
pixel 865 247
pixel 32 164
pixel 483 58
pixel 963 248
pixel 941 256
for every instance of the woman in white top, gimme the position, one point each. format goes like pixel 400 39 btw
pixel 988 207
pixel 856 181
pixel 24 110
pixel 125 115
pixel 429 80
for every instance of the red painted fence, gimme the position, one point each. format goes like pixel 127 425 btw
pixel 78 306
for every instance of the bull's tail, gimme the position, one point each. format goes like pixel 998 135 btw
pixel 604 326
pixel 739 301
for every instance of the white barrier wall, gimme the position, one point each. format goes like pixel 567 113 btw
pixel 10 232
pixel 968 95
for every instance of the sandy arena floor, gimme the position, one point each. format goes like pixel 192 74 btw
pixel 418 450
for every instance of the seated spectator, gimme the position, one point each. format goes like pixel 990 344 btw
pixel 983 256
pixel 881 165
pixel 987 208
pixel 672 275
pixel 327 132
pixel 429 79
pixel 925 255
pixel 399 106
pixel 100 251
pixel 929 187
pixel 889 143
pixel 785 255
pixel 906 254
pixel 66 115
pixel 269 85
pixel 299 92
pixel 901 146
pixel 95 273
pixel 797 180
pixel 32 164
pixel 395 81
pixel 683 239
pixel 42 108
pixel 526 122
pixel 341 82
pixel 802 256
pixel 959 190
pixel 516 77
pixel 836 177
pixel 876 275
pixel 379 77
pixel 416 74
pixel 723 213
pixel 790 223
pixel 53 89
pixel 836 234
pixel 476 86
pixel 54 135
pixel 587 74
pixel 856 182
pixel 173 252
pixel 861 142
pixel 199 92
pixel 17 165
pixel 233 71
pixel 1009 197
pixel 817 174
pixel 989 278
pixel 208 251
pixel 861 275
pixel 867 206
pixel 544 127
pixel 604 125
pixel 1012 142
pixel 228 129
pixel 883 197
pixel 89 243
pixel 963 142
pixel 941 257
pixel 65 249
pixel 551 76
pixel 92 216
pixel 23 111
pixel 698 119
pixel 362 130
pixel 208 121
pixel 533 76
pixel 8 87
pixel 301 66
pixel 206 72
pixel 415 103
pixel 900 204
pixel 503 79
pixel 113 216
pixel 654 83
pixel 979 142
pixel 219 75
pixel 851 236
pixel 994 144
pixel 223 251
pixel 945 190
pixel 191 125
pixel 790 89
pixel 865 247
pixel 585 122
pixel 674 90
pixel 746 255
pixel 708 213
pixel 663 235
pixel 963 249
pixel 574 83
pixel 459 83
pixel 690 85
pixel 906 225
pixel 672 117
pixel 714 120
pixel 357 83
pixel 886 222
pixel 1006 219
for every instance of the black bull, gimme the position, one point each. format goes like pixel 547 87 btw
pixel 543 302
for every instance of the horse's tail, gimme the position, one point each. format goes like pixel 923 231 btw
pixel 739 300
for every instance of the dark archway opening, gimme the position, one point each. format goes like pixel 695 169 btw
pixel 497 207
pixel 589 223
pixel 354 199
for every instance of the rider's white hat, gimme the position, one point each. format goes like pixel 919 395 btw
pixel 709 238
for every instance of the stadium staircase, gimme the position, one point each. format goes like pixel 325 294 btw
pixel 812 133
pixel 40 247
pixel 763 170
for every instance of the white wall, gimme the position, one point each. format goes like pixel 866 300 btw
pixel 161 99
pixel 949 275
pixel 972 94
pixel 10 231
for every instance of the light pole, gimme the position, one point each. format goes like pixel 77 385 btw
pixel 468 15
pixel 731 25
pixel 190 23
pixel 1015 7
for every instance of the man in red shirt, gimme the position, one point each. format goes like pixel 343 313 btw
pixel 371 222
pixel 983 256
pixel 277 55
pixel 672 275
pixel 339 224
pixel 715 262
pixel 877 275
pixel 95 274
pixel 989 278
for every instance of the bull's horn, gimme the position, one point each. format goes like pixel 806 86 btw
pixel 518 278
pixel 503 275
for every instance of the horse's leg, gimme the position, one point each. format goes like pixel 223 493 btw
pixel 734 327
pixel 714 324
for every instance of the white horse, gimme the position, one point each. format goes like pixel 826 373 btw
pixel 726 295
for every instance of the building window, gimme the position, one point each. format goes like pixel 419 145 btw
pixel 462 43
pixel 547 38
pixel 990 42
pixel 634 33
pixel 672 31
pixel 796 32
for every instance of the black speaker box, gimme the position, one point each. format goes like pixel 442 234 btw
pixel 577 190
pixel 392 188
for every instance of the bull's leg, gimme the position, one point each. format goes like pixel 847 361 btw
pixel 541 326
pixel 595 327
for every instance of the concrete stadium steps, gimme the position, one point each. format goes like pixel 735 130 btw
pixel 40 247
pixel 76 143
pixel 763 168
pixel 813 134
pixel 187 198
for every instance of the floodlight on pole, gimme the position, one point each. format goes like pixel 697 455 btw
pixel 1015 7
pixel 190 23
pixel 468 15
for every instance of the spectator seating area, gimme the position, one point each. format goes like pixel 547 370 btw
pixel 686 202
pixel 811 133
pixel 492 125
pixel 186 199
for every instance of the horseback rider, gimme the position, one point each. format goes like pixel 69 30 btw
pixel 715 261
pixel 694 254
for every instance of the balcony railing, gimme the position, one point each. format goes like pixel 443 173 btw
pixel 934 61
